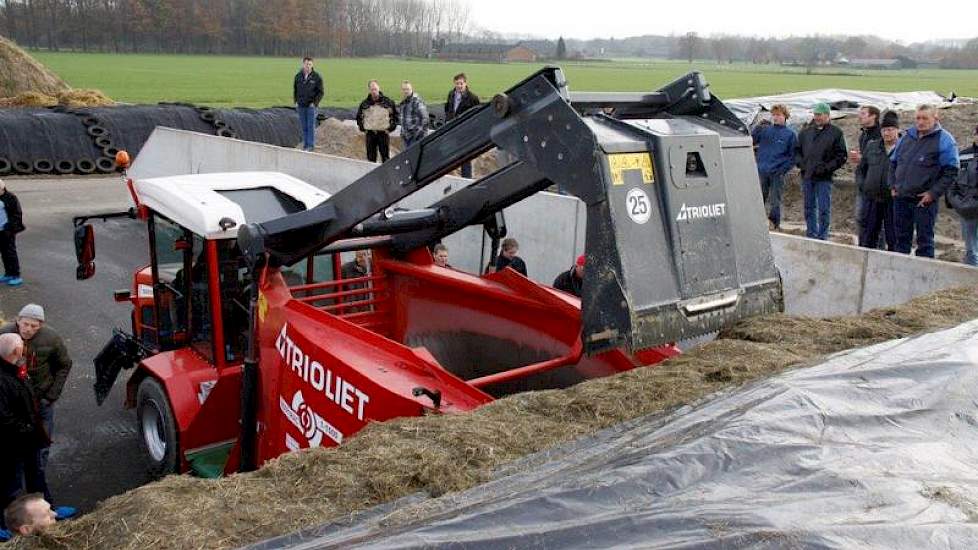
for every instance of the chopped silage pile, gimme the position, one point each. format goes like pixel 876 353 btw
pixel 440 454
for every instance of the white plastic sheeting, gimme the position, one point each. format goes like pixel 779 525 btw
pixel 842 102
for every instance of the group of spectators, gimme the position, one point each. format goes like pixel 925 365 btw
pixel 378 115
pixel 34 366
pixel 901 175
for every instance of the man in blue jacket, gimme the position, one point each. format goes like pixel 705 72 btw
pixel 923 164
pixel 775 144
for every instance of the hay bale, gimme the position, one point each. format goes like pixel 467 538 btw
pixel 29 99
pixel 84 98
pixel 20 73
pixel 440 454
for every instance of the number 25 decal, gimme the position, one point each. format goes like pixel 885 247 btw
pixel 638 206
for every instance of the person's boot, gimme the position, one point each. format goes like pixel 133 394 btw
pixel 5 535
pixel 14 281
pixel 5 278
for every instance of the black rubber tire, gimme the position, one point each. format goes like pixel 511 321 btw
pixel 103 142
pixel 85 166
pixel 43 166
pixel 105 165
pixel 110 152
pixel 96 131
pixel 157 424
pixel 5 166
pixel 64 166
pixel 89 120
pixel 23 167
pixel 220 124
pixel 226 132
pixel 207 116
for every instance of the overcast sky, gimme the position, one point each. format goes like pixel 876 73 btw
pixel 907 22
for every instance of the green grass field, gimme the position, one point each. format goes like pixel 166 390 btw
pixel 265 81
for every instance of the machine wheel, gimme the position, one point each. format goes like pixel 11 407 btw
pixel 158 427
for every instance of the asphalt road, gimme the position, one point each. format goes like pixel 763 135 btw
pixel 96 451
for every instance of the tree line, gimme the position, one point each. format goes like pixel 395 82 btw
pixel 333 28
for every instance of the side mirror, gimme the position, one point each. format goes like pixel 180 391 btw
pixel 85 251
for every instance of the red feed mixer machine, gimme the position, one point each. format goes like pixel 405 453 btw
pixel 246 341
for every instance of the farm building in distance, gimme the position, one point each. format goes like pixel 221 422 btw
pixel 499 53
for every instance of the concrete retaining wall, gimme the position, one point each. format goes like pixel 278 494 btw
pixel 820 278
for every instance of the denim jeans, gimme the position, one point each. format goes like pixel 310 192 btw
pixel 873 216
pixel 969 233
pixel 909 218
pixel 818 208
pixel 307 123
pixel 772 187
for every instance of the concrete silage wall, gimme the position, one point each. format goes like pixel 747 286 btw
pixel 820 278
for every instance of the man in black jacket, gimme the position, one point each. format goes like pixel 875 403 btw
pixel 307 92
pixel 377 116
pixel 460 99
pixel 20 426
pixel 572 280
pixel 821 151
pixel 11 223
pixel 875 200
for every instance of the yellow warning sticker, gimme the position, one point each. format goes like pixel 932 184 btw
pixel 620 162
pixel 262 306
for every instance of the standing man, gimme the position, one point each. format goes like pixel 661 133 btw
pixel 11 223
pixel 775 145
pixel 414 115
pixel 508 257
pixel 872 169
pixel 20 427
pixel 572 280
pixel 821 151
pixel 307 92
pixel 460 99
pixel 377 116
pixel 440 255
pixel 47 367
pixel 969 226
pixel 922 166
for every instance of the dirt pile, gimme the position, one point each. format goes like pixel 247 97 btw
pixel 440 454
pixel 20 73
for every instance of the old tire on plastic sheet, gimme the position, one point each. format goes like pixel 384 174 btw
pixel 64 166
pixel 89 120
pixel 157 427
pixel 225 132
pixel 207 116
pixel 105 164
pixel 23 167
pixel 103 142
pixel 85 166
pixel 110 152
pixel 96 131
pixel 5 166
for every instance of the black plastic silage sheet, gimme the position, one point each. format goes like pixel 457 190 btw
pixel 875 448
pixel 32 135
pixel 129 126
pixel 275 125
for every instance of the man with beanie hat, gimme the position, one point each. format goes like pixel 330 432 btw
pixel 922 166
pixel 820 152
pixel 47 364
pixel 875 203
pixel 572 280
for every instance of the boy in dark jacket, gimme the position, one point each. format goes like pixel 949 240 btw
pixel 307 92
pixel 969 226
pixel 922 166
pixel 11 223
pixel 821 151
pixel 377 117
pixel 775 145
pixel 460 99
pixel 508 257
pixel 875 201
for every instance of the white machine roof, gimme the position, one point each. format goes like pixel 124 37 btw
pixel 195 201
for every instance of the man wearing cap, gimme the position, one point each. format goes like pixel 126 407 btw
pixel 11 223
pixel 572 280
pixel 875 203
pixel 820 152
pixel 923 165
pixel 47 366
